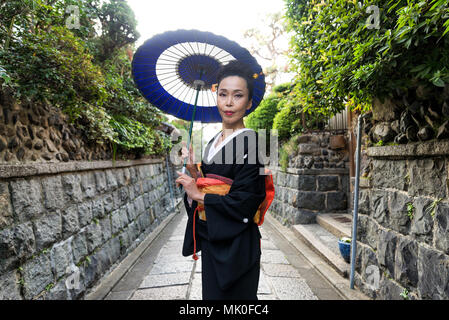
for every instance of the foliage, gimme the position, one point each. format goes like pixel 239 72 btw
pixel 86 71
pixel 283 120
pixel 338 57
pixel 133 135
pixel 263 116
pixel 288 150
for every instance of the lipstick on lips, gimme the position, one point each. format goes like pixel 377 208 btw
pixel 229 113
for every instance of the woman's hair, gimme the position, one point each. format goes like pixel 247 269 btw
pixel 238 68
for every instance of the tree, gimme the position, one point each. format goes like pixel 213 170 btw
pixel 267 45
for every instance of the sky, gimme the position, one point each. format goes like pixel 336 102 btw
pixel 228 18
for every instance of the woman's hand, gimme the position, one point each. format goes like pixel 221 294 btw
pixel 190 187
pixel 190 165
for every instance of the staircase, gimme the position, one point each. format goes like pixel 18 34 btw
pixel 322 237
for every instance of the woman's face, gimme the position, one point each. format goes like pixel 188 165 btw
pixel 233 100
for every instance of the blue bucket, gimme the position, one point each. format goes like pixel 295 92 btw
pixel 345 250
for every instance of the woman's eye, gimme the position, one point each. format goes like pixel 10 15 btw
pixel 239 95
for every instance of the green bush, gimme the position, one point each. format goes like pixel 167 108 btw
pixel 337 57
pixel 133 135
pixel 283 120
pixel 86 74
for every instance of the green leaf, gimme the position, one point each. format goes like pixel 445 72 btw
pixel 438 82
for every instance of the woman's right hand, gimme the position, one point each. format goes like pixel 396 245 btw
pixel 190 165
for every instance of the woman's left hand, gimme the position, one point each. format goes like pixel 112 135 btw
pixel 189 185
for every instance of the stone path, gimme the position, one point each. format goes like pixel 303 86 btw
pixel 173 276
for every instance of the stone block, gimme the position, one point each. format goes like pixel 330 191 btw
pixel 125 241
pixel 379 206
pixel 389 290
pixel 37 275
pixel 306 182
pixel 364 202
pixel 292 181
pixel 126 176
pixel 337 142
pixel 367 231
pixel 139 205
pixel 71 184
pixel 94 236
pixel 433 274
pixel 47 230
pixel 406 262
pixel 369 264
pixel 123 217
pixel 389 174
pixel 309 148
pixel 120 177
pixel 7 248
pixel 442 227
pixel 79 247
pixel 88 185
pixel 54 195
pixel 104 260
pixel 422 222
pixel 336 201
pixel 70 222
pixel 108 204
pixel 427 177
pixel 85 213
pixel 58 292
pixel 114 249
pixel 386 249
pixel 26 198
pixel 146 201
pixel 106 228
pixel 100 181
pixel 6 216
pixel 311 200
pixel 116 221
pixel 123 196
pixel 111 179
pixel 398 214
pixel 61 258
pixel 9 286
pixel 97 208
pixel 133 175
pixel 16 243
pixel 138 189
pixel 303 216
pixel 91 271
pixel 327 183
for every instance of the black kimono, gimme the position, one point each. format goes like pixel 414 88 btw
pixel 230 240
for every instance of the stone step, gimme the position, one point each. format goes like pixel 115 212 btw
pixel 339 224
pixel 324 243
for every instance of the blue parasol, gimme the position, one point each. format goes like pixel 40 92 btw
pixel 176 71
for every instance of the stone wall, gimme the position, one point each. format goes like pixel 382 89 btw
pixel 85 216
pixel 403 225
pixel 300 194
pixel 320 150
pixel 316 180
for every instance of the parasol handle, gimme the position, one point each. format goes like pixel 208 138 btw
pixel 198 89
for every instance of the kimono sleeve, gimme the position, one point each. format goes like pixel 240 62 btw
pixel 229 215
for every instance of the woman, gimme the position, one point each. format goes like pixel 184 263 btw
pixel 227 236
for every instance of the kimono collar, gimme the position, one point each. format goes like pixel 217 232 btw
pixel 211 151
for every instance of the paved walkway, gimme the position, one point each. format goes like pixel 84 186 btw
pixel 163 273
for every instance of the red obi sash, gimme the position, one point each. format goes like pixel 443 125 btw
pixel 217 184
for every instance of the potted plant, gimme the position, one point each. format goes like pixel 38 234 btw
pixel 344 244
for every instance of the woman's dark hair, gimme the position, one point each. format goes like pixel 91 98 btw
pixel 238 68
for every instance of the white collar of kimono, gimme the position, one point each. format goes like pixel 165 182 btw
pixel 213 151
